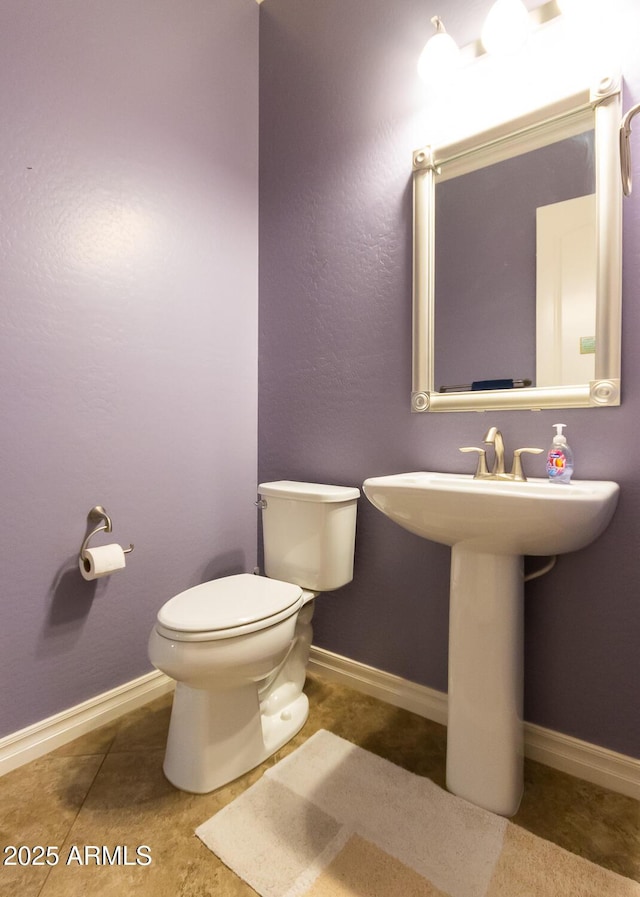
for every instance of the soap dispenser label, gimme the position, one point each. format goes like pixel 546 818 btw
pixel 556 462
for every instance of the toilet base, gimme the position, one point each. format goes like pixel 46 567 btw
pixel 278 730
pixel 219 734
pixel 215 737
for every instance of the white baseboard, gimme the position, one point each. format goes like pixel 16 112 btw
pixel 577 758
pixel 40 738
pixel 386 687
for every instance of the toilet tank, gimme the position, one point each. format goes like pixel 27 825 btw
pixel 309 533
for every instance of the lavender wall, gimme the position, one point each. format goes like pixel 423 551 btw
pixel 128 337
pixel 339 99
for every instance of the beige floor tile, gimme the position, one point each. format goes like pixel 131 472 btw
pixel 410 741
pixel 587 820
pixel 96 742
pixel 144 729
pixel 132 805
pixel 39 804
pixel 129 802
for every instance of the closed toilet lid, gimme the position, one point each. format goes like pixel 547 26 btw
pixel 229 603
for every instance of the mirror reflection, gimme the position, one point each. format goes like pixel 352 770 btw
pixel 517 262
pixel 493 226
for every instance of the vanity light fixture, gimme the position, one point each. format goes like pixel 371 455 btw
pixel 440 56
pixel 506 28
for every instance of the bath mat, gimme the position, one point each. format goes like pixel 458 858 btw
pixel 333 820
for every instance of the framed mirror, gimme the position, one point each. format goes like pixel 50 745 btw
pixel 517 262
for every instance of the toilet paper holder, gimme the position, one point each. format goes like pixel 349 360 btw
pixel 100 516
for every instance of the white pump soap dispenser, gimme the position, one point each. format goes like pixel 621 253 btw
pixel 559 458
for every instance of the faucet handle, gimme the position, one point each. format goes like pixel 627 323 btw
pixel 516 471
pixel 481 470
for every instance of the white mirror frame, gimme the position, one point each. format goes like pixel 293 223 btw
pixel 569 115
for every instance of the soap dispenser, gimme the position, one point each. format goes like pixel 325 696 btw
pixel 559 458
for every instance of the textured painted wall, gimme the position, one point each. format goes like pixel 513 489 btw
pixel 128 325
pixel 340 110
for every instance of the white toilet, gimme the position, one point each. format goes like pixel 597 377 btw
pixel 238 646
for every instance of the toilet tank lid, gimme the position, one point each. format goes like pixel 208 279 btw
pixel 308 491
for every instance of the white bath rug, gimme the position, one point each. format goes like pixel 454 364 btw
pixel 333 820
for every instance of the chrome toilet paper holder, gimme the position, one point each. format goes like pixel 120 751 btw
pixel 100 516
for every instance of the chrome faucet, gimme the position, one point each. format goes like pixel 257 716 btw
pixel 493 437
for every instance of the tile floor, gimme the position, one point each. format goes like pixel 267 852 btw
pixel 107 788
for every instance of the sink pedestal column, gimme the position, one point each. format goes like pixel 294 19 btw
pixel 486 633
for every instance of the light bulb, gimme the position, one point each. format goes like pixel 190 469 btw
pixel 506 28
pixel 440 55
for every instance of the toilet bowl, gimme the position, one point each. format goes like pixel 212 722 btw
pixel 238 646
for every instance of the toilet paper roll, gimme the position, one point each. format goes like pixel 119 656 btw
pixel 101 561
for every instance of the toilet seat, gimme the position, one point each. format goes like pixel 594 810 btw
pixel 228 607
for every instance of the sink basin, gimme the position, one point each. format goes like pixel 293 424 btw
pixel 535 517
pixel 490 525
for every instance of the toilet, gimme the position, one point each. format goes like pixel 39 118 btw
pixel 238 646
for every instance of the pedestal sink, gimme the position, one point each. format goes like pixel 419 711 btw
pixel 490 525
